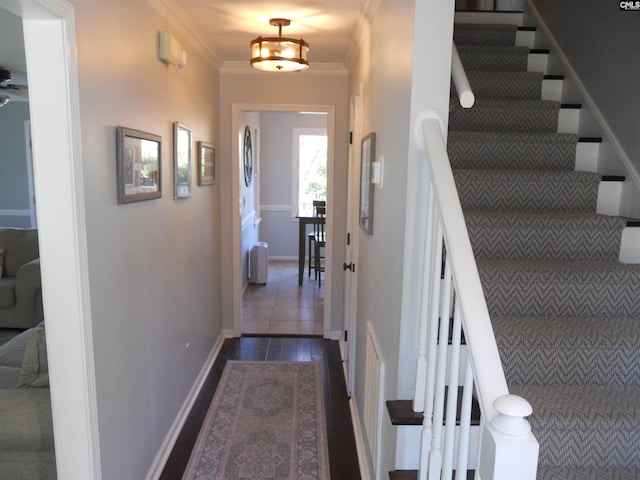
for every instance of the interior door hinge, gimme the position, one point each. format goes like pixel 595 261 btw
pixel 350 138
pixel 346 335
pixel 348 239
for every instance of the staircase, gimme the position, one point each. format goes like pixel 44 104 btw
pixel 565 310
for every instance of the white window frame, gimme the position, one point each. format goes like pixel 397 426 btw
pixel 295 162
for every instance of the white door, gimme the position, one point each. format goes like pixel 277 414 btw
pixel 348 337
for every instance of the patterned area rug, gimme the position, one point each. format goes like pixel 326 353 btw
pixel 266 422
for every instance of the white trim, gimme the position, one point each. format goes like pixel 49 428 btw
pixel 296 133
pixel 276 208
pixel 30 178
pixel 15 213
pixel 236 279
pixel 361 448
pixel 176 427
pixel 50 49
pixel 173 13
pixel 247 220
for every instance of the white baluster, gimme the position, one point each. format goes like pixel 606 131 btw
pixel 452 395
pixel 435 455
pixel 465 424
pixel 423 333
pixel 432 343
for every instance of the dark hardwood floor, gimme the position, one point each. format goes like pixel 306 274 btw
pixel 342 448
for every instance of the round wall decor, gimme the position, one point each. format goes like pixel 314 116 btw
pixel 247 153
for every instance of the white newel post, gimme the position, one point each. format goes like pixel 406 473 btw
pixel 509 449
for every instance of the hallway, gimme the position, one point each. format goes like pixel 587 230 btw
pixel 282 307
pixel 343 457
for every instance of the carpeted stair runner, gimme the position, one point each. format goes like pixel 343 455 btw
pixel 565 311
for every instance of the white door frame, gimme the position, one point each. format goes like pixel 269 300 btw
pixel 50 48
pixel 348 346
pixel 33 218
pixel 236 280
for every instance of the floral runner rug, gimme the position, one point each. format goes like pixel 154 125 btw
pixel 266 421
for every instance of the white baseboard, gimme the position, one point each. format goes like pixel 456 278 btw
pixel 283 258
pixel 172 435
pixel 361 447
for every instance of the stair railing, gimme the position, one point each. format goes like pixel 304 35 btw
pixel 453 307
pixel 460 80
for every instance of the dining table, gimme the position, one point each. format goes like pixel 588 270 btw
pixel 302 244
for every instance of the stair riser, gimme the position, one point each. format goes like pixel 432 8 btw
pixel 567 299
pixel 606 448
pixel 526 197
pixel 505 120
pixel 408 442
pixel 559 241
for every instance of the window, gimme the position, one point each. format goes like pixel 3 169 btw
pixel 309 168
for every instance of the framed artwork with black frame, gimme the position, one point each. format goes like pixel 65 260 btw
pixel 181 161
pixel 139 164
pixel 247 156
pixel 206 163
pixel 367 156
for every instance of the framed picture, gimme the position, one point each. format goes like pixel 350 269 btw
pixel 206 164
pixel 138 162
pixel 247 156
pixel 181 161
pixel 368 154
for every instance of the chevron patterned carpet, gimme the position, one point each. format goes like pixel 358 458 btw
pixel 566 313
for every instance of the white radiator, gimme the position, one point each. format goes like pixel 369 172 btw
pixel 374 399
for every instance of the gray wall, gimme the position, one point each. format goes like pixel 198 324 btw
pixel 601 43
pixel 154 266
pixel 278 228
pixel 14 183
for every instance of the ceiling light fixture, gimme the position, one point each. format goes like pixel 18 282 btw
pixel 279 54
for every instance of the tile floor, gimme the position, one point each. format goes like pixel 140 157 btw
pixel 282 307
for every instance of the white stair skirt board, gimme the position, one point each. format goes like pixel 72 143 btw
pixel 408 446
pixel 609 197
pixel 587 154
pixel 630 245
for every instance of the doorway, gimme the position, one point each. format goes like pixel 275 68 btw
pixel 239 115
pixel 49 36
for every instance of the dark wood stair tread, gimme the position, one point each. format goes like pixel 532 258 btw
pixel 401 411
pixel 413 475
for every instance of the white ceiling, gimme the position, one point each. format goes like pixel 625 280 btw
pixel 227 27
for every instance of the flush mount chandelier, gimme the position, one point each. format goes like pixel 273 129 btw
pixel 279 54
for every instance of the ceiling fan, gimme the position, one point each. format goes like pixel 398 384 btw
pixel 7 88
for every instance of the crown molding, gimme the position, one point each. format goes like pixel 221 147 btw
pixel 173 13
pixel 244 68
